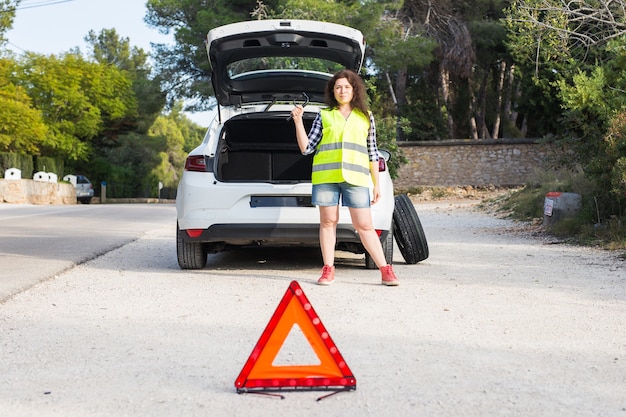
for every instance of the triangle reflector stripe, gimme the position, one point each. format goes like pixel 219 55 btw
pixel 259 373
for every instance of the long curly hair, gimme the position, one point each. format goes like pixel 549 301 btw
pixel 359 98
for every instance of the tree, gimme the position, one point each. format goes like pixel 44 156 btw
pixel 467 77
pixel 7 14
pixel 22 129
pixel 108 48
pixel 578 51
pixel 171 155
pixel 184 67
pixel 78 100
pixel 585 24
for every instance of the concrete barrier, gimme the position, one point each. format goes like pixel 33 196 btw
pixel 36 192
pixel 13 174
pixel 558 206
pixel 71 179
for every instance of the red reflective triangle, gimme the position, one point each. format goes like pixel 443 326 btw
pixel 259 372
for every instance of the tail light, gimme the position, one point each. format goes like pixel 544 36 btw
pixel 194 232
pixel 382 165
pixel 195 163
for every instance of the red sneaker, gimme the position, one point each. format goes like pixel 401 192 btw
pixel 328 275
pixel 388 277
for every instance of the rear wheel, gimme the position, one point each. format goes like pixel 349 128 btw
pixel 387 244
pixel 408 231
pixel 191 255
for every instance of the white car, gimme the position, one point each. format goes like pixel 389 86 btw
pixel 247 184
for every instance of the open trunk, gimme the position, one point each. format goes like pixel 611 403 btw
pixel 262 147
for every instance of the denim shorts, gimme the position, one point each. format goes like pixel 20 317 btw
pixel 351 195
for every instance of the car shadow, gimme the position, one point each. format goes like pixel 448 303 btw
pixel 284 258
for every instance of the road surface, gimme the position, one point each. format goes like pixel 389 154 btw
pixel 496 322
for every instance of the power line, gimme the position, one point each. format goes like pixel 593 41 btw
pixel 33 5
pixel 42 4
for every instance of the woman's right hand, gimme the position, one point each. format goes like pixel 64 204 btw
pixel 297 112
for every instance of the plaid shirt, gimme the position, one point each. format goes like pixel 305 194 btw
pixel 316 132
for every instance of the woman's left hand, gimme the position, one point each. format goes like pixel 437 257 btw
pixel 376 194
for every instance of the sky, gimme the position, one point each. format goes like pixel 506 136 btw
pixel 56 26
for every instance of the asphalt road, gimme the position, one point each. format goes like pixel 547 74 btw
pixel 497 321
pixel 38 242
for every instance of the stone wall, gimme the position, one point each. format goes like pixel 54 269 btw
pixel 36 192
pixel 502 162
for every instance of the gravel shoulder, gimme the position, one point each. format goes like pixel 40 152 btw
pixel 498 321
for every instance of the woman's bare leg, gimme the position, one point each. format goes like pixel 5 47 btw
pixel 362 222
pixel 329 217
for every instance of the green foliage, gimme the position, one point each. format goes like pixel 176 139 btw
pixel 386 131
pixel 47 164
pixel 527 203
pixel 14 160
pixel 78 100
pixel 184 67
pixel 192 133
pixel 126 168
pixel 172 157
pixel 596 133
pixel 22 128
pixel 538 44
pixel 422 118
pixel 138 162
pixel 541 53
pixel 612 162
pixel 586 228
pixel 7 14
pixel 109 49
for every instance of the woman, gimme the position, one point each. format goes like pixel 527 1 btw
pixel 345 164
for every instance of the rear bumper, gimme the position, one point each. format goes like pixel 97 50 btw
pixel 219 237
pixel 268 234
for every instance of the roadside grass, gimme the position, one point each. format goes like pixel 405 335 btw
pixel 586 228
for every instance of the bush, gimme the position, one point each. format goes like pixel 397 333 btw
pixel 47 164
pixel 19 161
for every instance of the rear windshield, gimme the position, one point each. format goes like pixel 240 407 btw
pixel 283 63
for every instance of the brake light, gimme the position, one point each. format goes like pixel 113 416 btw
pixel 195 163
pixel 193 232
pixel 382 165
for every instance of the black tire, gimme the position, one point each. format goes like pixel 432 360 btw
pixel 408 231
pixel 191 255
pixel 387 244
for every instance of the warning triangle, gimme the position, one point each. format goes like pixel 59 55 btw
pixel 330 372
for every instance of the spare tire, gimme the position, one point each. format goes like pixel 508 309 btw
pixel 408 231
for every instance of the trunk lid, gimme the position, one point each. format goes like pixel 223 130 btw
pixel 278 60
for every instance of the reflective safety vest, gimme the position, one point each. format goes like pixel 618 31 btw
pixel 342 153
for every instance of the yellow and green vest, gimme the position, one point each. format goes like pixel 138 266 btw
pixel 342 153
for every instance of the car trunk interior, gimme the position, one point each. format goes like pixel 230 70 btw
pixel 262 147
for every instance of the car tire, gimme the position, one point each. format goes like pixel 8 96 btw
pixel 408 231
pixel 387 244
pixel 191 255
